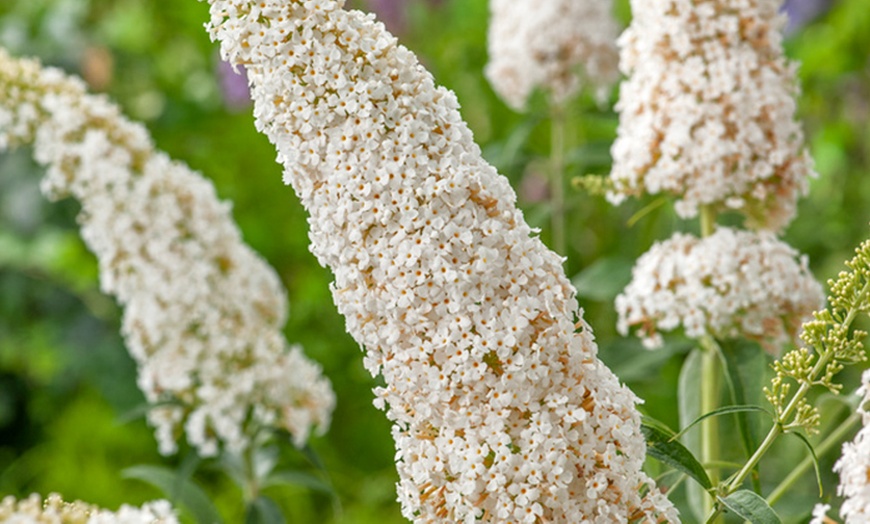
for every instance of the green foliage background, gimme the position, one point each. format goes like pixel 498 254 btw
pixel 65 378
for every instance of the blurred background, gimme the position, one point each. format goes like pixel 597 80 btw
pixel 67 387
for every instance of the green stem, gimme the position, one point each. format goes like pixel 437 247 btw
pixel 709 426
pixel 557 177
pixel 773 434
pixel 714 515
pixel 709 388
pixel 737 480
pixel 252 484
pixel 836 437
pixel 708 221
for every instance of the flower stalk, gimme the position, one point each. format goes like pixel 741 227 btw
pixel 557 176
pixel 709 383
pixel 710 371
pixel 835 438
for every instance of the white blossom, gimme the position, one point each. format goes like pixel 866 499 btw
pixel 202 312
pixel 854 466
pixel 732 283
pixel 707 113
pixel 820 514
pixel 501 410
pixel 33 510
pixel 553 45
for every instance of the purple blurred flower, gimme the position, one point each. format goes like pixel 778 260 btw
pixel 391 12
pixel 234 86
pixel 534 188
pixel 802 12
pixel 394 13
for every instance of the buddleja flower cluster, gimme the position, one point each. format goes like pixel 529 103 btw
pixel 555 46
pixel 501 410
pixel 729 284
pixel 203 313
pixel 707 114
pixel 33 510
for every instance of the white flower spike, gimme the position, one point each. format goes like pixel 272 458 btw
pixel 501 410
pixel 707 113
pixel 202 312
pixel 554 45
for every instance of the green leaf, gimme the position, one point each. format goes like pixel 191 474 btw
pixel 646 420
pixel 632 362
pixel 508 154
pixel 689 403
pixel 603 279
pixel 724 411
pixel 313 457
pixel 649 208
pixel 234 466
pixel 751 507
pixel 182 492
pixel 263 510
pixel 518 138
pixel 661 447
pixel 297 478
pixel 745 366
pixel 265 458
pixel 815 459
pixel 589 154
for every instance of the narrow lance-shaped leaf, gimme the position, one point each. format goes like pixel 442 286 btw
pixel 689 405
pixel 660 446
pixel 814 457
pixel 181 491
pixel 263 510
pixel 725 410
pixel 751 507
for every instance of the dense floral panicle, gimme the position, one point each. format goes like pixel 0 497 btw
pixel 732 283
pixel 53 510
pixel 203 312
pixel 501 410
pixel 553 45
pixel 854 467
pixel 707 113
